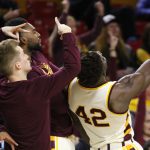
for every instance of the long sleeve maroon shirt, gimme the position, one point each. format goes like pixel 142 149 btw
pixel 25 104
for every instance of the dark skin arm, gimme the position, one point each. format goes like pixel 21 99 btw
pixel 129 87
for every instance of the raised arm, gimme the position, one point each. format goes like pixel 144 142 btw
pixel 57 81
pixel 91 35
pixel 54 43
pixel 129 87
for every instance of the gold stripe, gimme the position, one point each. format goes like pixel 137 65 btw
pixel 127 132
pixel 128 147
pixel 127 122
pixel 56 141
pixel 52 138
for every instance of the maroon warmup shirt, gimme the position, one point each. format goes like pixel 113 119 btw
pixel 60 121
pixel 25 104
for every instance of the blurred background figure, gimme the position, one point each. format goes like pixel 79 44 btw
pixel 83 39
pixel 147 145
pixel 143 9
pixel 111 44
pixel 147 126
pixel 8 10
pixel 143 52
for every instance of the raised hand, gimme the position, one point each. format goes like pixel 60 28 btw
pixel 100 8
pixel 65 5
pixel 62 28
pixel 12 31
pixel 113 40
pixel 4 136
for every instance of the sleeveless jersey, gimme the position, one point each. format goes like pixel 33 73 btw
pixel 101 125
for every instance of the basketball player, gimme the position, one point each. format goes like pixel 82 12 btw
pixel 102 106
pixel 25 103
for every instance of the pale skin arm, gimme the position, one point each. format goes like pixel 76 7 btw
pixel 129 87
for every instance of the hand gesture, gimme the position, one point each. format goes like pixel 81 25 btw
pixel 62 28
pixel 66 5
pixel 100 8
pixel 113 40
pixel 4 136
pixel 12 31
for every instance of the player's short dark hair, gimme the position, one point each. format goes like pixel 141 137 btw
pixel 7 55
pixel 16 21
pixel 91 69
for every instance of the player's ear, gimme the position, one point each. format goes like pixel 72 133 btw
pixel 18 65
pixel 23 40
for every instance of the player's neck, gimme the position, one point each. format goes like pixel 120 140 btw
pixel 25 49
pixel 17 76
pixel 101 81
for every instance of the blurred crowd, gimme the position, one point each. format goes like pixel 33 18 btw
pixel 120 30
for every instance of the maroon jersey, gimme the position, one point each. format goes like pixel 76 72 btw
pixel 25 104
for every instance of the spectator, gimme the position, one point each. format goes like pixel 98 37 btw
pixel 113 47
pixel 8 10
pixel 143 9
pixel 86 11
pixel 143 53
pixel 83 40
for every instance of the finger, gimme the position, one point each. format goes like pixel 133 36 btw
pixel 57 21
pixel 23 30
pixel 11 141
pixel 20 26
pixel 12 35
pixel 17 35
pixel 12 147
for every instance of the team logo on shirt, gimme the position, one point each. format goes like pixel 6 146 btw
pixel 46 69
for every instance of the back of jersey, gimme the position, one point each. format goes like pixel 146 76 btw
pixel 101 125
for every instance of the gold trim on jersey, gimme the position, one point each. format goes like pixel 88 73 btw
pixel 107 101
pixel 127 126
pixel 55 140
pixel 129 147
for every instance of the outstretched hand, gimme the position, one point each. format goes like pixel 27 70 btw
pixel 66 5
pixel 12 31
pixel 4 136
pixel 100 8
pixel 62 28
